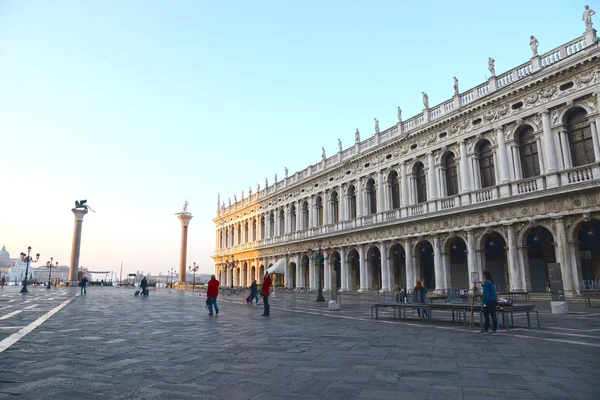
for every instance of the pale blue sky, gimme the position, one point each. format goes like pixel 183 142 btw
pixel 203 97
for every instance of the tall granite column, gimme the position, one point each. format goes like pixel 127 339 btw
pixel 74 267
pixel 184 218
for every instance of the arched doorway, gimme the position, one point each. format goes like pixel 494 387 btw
pixel 292 274
pixel 353 270
pixel 456 251
pixel 398 260
pixel 261 273
pixel 253 273
pixel 424 252
pixel 238 276
pixel 374 273
pixel 588 237
pixel 495 260
pixel 336 270
pixel 540 252
pixel 304 272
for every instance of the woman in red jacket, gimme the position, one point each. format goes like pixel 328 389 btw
pixel 265 292
pixel 212 291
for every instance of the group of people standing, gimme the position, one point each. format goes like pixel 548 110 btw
pixel 212 292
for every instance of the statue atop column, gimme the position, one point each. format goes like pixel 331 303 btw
pixel 266 183
pixel 285 171
pixel 356 136
pixel 455 86
pixel 491 66
pixel 186 206
pixel 425 100
pixel 323 153
pixel 339 144
pixel 399 114
pixel 587 17
pixel 533 43
pixel 376 125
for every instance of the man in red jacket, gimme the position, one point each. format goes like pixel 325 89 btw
pixel 212 291
pixel 265 292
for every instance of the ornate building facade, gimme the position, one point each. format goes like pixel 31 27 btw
pixel 504 176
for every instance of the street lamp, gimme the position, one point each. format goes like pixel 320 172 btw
pixel 27 258
pixel 232 265
pixel 49 266
pixel 318 256
pixel 172 277
pixel 194 269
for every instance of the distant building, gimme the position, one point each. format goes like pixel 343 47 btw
pixel 5 261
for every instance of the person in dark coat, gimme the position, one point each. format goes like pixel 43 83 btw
pixel 144 286
pixel 419 297
pixel 490 301
pixel 83 283
pixel 265 293
pixel 253 292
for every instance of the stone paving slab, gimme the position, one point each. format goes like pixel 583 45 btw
pixel 112 345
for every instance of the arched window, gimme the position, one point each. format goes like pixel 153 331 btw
pixel 486 164
pixel 319 210
pixel 293 218
pixel 371 196
pixel 246 232
pixel 305 215
pixel 335 207
pixel 580 138
pixel 262 227
pixel 394 189
pixel 271 224
pixel 451 174
pixel 421 183
pixel 530 162
pixel 281 222
pixel 352 198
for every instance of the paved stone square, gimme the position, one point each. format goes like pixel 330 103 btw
pixel 112 345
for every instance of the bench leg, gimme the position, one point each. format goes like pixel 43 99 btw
pixel 528 320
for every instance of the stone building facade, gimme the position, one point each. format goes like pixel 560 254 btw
pixel 504 176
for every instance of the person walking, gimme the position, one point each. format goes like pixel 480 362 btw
pixel 265 293
pixel 489 303
pixel 212 291
pixel 419 294
pixel 253 292
pixel 83 283
pixel 144 286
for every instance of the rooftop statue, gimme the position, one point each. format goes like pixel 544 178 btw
pixel 275 178
pixel 323 153
pixel 266 183
pixel 257 187
pixel 587 17
pixel 399 114
pixel 425 100
pixel 491 67
pixel 242 195
pixel 455 86
pixel 356 136
pixel 376 125
pixel 533 43
pixel 339 144
pixel 285 171
pixel 249 191
pixel 234 198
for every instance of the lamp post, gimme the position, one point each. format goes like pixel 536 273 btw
pixel 232 265
pixel 193 269
pixel 27 258
pixel 318 256
pixel 49 266
pixel 172 277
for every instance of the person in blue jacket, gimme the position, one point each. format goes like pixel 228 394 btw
pixel 489 302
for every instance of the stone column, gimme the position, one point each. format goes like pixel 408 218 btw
pixel 75 247
pixel 565 148
pixel 447 282
pixel 549 151
pixel 327 272
pixel 362 268
pixel 411 280
pixel 471 254
pixel 344 269
pixel 359 198
pixel 184 218
pixel 299 215
pixel 311 273
pixel 432 184
pixel 437 264
pixel 562 256
pixel 385 268
pixel 326 205
pixel 404 186
pixel 503 161
pixel 514 266
pixel 342 201
pixel 380 194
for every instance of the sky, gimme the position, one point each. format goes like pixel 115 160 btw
pixel 138 106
